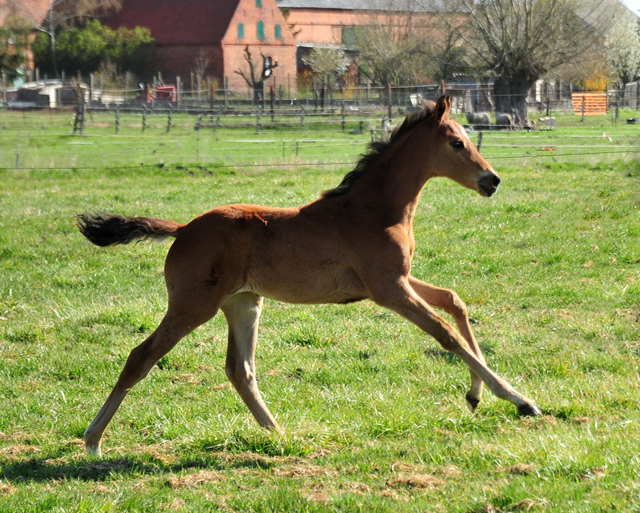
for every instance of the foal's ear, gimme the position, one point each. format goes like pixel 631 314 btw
pixel 442 108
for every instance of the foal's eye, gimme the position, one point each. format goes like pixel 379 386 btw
pixel 457 145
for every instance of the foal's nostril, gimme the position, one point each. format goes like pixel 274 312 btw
pixel 495 181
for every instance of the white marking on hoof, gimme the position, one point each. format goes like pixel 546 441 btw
pixel 93 450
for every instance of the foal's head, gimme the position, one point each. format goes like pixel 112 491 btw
pixel 454 156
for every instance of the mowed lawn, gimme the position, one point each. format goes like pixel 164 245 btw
pixel 373 410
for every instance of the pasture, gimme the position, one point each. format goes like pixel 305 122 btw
pixel 372 410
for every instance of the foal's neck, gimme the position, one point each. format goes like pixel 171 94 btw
pixel 395 181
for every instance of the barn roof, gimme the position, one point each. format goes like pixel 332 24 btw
pixel 366 5
pixel 188 22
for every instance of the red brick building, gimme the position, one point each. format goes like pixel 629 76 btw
pixel 190 33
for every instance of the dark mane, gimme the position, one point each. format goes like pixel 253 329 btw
pixel 374 150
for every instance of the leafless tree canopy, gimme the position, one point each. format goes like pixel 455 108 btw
pixel 201 63
pixel 255 78
pixel 390 49
pixel 65 14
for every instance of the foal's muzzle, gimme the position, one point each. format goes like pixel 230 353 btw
pixel 489 183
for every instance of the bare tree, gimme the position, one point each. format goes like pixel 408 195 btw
pixel 518 41
pixel 201 64
pixel 255 78
pixel 392 46
pixel 324 62
pixel 65 14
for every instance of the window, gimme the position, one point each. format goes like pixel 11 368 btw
pixel 260 30
pixel 240 31
pixel 258 3
pixel 349 36
pixel 278 32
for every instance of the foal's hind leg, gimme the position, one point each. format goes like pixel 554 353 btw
pixel 449 301
pixel 140 361
pixel 243 314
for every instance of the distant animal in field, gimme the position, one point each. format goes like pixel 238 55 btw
pixel 548 121
pixel 504 119
pixel 478 118
pixel 354 243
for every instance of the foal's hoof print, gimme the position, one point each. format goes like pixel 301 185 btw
pixel 529 410
pixel 472 402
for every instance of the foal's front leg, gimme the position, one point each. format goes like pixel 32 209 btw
pixel 403 299
pixel 449 301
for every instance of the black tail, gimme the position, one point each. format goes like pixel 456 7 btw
pixel 107 230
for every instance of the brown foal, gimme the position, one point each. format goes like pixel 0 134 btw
pixel 355 242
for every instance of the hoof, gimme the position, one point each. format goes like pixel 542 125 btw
pixel 529 410
pixel 93 450
pixel 472 402
pixel 92 447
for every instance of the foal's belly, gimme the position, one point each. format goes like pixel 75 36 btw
pixel 331 286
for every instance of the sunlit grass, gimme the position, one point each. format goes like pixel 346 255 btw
pixel 372 410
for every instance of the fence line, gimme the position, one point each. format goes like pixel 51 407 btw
pixel 42 140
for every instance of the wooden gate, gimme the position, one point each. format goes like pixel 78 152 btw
pixel 594 103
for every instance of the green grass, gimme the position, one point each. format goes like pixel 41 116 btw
pixel 35 140
pixel 373 411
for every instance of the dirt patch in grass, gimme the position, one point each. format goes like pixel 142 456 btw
pixel 419 481
pixel 519 469
pixel 16 436
pixel 197 479
pixel 318 498
pixel 297 471
pixel 165 459
pixel 450 471
pixel 191 379
pixel 12 451
pixel 6 489
pixel 594 473
pixel 539 422
pixel 528 505
pixel 394 495
pixel 403 467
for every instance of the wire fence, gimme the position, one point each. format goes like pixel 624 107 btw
pixel 221 139
pixel 468 95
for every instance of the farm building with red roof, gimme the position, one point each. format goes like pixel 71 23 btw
pixel 214 34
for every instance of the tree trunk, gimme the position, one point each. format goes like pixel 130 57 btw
pixel 510 95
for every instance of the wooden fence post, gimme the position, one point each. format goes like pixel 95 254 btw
pixel 225 85
pixel 178 91
pixel 258 117
pixel 272 99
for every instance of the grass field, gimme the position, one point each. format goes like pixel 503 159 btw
pixel 372 410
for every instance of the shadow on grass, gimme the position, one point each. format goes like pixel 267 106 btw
pixel 91 469
pixel 258 452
